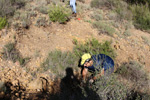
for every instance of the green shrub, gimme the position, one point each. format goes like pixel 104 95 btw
pixel 3 22
pixel 104 28
pixel 59 14
pixel 141 16
pixel 74 41
pixel 94 47
pixel 11 53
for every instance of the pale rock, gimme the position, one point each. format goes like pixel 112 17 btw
pixel 36 84
pixel 15 82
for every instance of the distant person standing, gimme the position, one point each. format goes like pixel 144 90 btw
pixel 73 5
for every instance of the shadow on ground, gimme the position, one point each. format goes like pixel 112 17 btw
pixel 72 89
pixel 67 88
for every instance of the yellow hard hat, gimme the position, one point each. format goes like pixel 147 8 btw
pixel 85 57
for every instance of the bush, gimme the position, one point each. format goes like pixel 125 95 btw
pixel 138 1
pixel 141 16
pixel 3 22
pixel 41 21
pixel 97 16
pixel 122 9
pixel 59 14
pixel 104 28
pixel 94 47
pixel 43 9
pixel 104 3
pixel 11 53
pixel 135 73
pixel 18 3
pixel 109 88
pixel 7 7
pixel 95 3
pixel 24 20
pixel 58 61
pixel 119 6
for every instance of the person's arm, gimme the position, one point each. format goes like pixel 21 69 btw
pixel 99 75
pixel 84 73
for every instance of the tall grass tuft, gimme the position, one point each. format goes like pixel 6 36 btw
pixel 3 22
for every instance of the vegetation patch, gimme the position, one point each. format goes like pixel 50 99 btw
pixel 109 87
pixel 58 61
pixel 97 16
pixel 11 53
pixel 146 40
pixel 138 12
pixel 135 73
pixel 41 21
pixel 94 47
pixel 7 7
pixel 59 14
pixel 104 28
pixel 127 33
pixel 105 3
pixel 3 22
pixel 141 16
pixel 138 2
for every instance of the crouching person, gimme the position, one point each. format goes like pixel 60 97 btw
pixel 99 65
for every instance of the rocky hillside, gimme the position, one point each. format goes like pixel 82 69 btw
pixel 35 36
